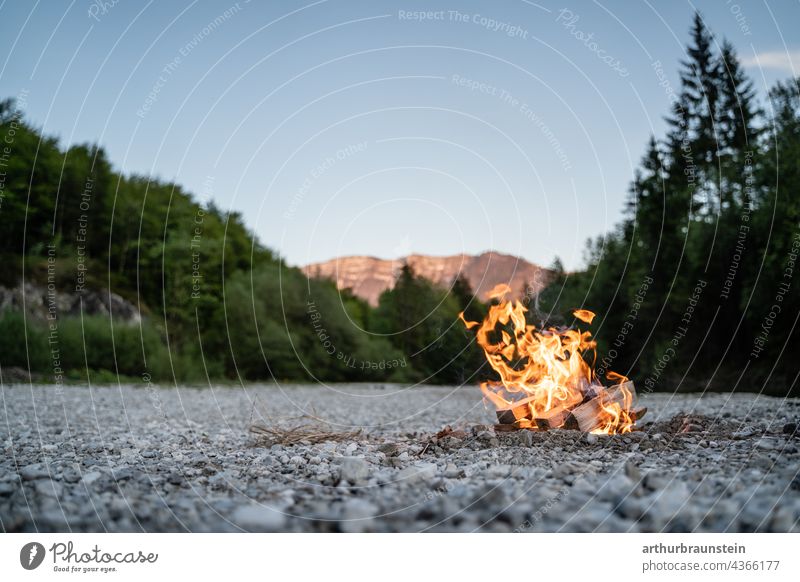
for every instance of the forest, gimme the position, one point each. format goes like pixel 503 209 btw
pixel 696 288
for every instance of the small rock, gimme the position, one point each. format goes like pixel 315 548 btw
pixel 258 518
pixel 590 438
pixel 568 468
pixel 175 478
pixel 743 433
pixel 33 472
pixel 91 477
pixel 657 480
pixel 767 444
pixel 123 474
pixel 354 470
pixel 417 473
pixel 451 471
pixel 632 471
pixel 691 427
pixel 350 449
pixel 453 442
pixel 71 476
pixel 485 435
pixel 790 428
pixel 499 471
pixel 48 488
pixel 389 449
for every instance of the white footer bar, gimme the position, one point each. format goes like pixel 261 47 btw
pixel 356 557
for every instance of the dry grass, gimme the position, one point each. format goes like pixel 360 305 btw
pixel 306 429
pixel 301 434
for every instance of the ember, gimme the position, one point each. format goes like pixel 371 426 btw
pixel 545 381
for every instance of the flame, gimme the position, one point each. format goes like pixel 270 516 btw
pixel 616 418
pixel 544 369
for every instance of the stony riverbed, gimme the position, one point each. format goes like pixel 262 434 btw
pixel 137 458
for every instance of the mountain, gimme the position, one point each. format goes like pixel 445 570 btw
pixel 368 277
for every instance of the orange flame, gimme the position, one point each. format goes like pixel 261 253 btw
pixel 544 368
pixel 616 418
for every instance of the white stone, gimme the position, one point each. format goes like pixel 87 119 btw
pixel 258 518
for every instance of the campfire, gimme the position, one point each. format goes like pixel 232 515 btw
pixel 545 380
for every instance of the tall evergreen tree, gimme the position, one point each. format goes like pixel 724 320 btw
pixel 736 115
pixel 692 140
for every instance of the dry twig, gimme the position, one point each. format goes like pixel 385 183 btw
pixel 306 434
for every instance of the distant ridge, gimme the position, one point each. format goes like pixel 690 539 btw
pixel 368 277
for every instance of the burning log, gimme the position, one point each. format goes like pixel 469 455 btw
pixel 591 414
pixel 519 410
pixel 552 419
pixel 556 416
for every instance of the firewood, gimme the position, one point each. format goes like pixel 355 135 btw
pixel 517 411
pixel 551 419
pixel 587 416
pixel 556 416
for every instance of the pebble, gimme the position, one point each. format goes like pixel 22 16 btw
pixel 355 470
pixel 258 518
pixel 48 488
pixel 389 449
pixel 211 474
pixel 416 473
pixel 33 472
pixel 90 477
pixel 767 444
pixel 451 471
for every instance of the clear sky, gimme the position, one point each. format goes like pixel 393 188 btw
pixel 340 127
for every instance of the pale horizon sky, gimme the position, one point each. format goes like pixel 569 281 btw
pixel 365 128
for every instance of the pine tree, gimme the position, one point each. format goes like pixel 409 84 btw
pixel 692 141
pixel 737 112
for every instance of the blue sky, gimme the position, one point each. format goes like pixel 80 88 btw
pixel 341 128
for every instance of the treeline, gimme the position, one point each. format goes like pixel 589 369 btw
pixel 698 285
pixel 215 303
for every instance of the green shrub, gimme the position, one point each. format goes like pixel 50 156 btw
pixel 20 341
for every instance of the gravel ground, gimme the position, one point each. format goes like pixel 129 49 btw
pixel 137 458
